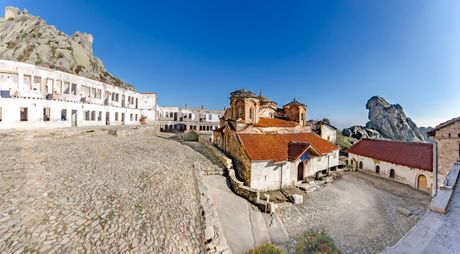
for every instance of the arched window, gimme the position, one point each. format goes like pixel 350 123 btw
pixel 392 173
pixel 377 169
pixel 361 165
pixel 251 114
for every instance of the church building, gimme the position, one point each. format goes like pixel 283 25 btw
pixel 272 147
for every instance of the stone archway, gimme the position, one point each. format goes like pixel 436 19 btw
pixel 422 183
pixel 300 168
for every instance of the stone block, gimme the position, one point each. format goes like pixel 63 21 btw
pixel 404 211
pixel 298 199
pixel 209 233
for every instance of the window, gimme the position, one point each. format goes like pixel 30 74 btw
pixel 135 117
pixel 64 115
pixel 23 114
pixel 66 88
pixel 131 117
pixel 251 114
pixel 93 115
pixel 46 114
pixel 319 159
pixel 0 114
pixel 87 115
pixel 361 165
pixel 449 134
pixel 59 86
pixel 73 89
pixel 458 135
pixel 99 93
pixel 99 118
pixel 85 91
pixel 37 80
pixel 116 116
pixel 377 169
pixel 27 82
pixel 392 173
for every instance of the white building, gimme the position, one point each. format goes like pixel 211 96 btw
pixel 409 163
pixel 177 119
pixel 325 131
pixel 278 160
pixel 37 97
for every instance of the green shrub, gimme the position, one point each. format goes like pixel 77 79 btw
pixel 266 248
pixel 315 243
pixel 191 136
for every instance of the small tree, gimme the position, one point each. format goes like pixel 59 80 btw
pixel 266 248
pixel 142 119
pixel 316 243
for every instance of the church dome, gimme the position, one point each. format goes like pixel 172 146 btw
pixel 242 93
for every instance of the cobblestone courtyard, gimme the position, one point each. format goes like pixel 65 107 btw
pixel 358 211
pixel 98 194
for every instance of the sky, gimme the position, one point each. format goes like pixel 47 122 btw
pixel 331 55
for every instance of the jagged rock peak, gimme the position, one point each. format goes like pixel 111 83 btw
pixel 391 121
pixel 27 38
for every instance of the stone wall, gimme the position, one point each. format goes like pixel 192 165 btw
pixel 448 139
pixel 214 239
pixel 237 186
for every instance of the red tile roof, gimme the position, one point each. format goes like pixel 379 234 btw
pixel 276 146
pixel 410 154
pixel 275 122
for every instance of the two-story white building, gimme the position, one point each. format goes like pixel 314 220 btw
pixel 36 97
pixel 178 119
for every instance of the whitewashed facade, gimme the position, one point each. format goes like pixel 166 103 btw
pixel 391 171
pixel 37 97
pixel 185 119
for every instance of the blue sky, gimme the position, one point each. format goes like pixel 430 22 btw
pixel 331 55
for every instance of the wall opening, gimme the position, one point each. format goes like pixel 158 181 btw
pixel 377 169
pixel 46 114
pixel 24 114
pixel 300 171
pixel 360 165
pixel 392 173
pixel 64 115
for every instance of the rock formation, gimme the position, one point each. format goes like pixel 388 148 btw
pixel 391 122
pixel 359 132
pixel 27 38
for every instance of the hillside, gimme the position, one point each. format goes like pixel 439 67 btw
pixel 27 38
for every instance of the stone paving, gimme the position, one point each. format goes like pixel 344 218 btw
pixel 99 194
pixel 359 211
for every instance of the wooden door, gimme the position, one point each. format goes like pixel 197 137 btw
pixel 300 172
pixel 422 183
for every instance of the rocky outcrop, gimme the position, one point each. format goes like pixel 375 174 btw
pixel 359 132
pixel 391 122
pixel 27 38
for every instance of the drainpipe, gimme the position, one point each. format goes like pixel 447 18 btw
pixel 434 192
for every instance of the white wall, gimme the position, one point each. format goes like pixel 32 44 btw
pixel 328 133
pixel 403 174
pixel 10 108
pixel 148 106
pixel 266 175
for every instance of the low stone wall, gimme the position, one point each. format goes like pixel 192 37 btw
pixel 214 239
pixel 440 203
pixel 252 195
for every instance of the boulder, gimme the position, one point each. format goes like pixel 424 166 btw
pixel 391 121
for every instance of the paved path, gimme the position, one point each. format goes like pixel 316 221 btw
pixel 98 194
pixel 435 233
pixel 358 211
pixel 244 226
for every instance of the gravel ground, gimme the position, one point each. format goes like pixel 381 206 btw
pixel 358 211
pixel 99 194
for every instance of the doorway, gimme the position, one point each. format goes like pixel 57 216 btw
pixel 300 171
pixel 107 118
pixel 73 118
pixel 422 183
